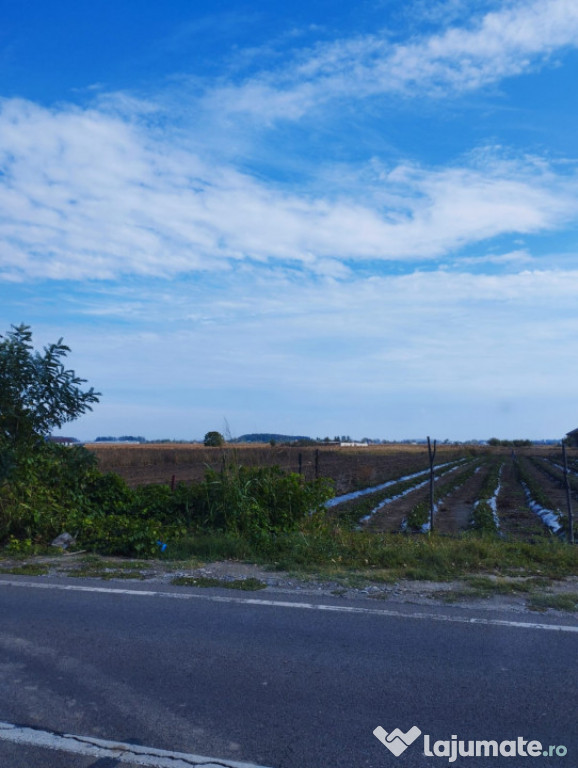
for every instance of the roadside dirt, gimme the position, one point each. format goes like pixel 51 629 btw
pixel 475 593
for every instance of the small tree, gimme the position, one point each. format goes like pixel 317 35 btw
pixel 214 439
pixel 37 393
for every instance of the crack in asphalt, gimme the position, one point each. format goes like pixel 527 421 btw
pixel 23 734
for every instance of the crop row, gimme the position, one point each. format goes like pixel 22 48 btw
pixel 418 518
pixel 538 501
pixel 485 511
pixel 362 505
pixel 556 472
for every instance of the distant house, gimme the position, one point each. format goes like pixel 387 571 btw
pixel 353 444
pixel 572 438
pixel 62 440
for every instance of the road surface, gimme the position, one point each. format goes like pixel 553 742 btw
pixel 272 680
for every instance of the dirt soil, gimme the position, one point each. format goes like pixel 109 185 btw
pixel 453 513
pixel 455 510
pixel 422 593
pixel 554 489
pixel 516 519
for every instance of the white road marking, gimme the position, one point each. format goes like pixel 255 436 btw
pixel 287 604
pixel 123 752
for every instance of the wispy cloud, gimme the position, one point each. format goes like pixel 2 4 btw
pixel 426 332
pixel 86 194
pixel 514 258
pixel 424 351
pixel 500 44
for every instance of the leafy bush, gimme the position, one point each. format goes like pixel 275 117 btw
pixel 252 501
pixel 185 505
pixel 122 534
pixel 44 487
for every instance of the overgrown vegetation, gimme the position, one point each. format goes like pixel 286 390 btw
pixel 326 550
pixel 60 489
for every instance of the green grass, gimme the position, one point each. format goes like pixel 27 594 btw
pixel 249 585
pixel 484 587
pixel 392 556
pixel 96 567
pixel 210 547
pixel 326 551
pixel 487 586
pixel 101 573
pixel 567 602
pixel 30 569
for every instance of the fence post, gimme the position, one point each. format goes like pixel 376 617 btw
pixel 317 463
pixel 432 455
pixel 300 463
pixel 568 496
pixel 173 480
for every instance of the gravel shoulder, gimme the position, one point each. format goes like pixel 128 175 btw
pixel 484 592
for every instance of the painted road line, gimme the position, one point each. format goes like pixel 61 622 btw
pixel 302 606
pixel 117 750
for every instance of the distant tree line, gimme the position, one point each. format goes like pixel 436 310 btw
pixel 510 443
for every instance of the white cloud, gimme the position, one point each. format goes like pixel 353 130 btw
pixel 438 334
pixel 448 348
pixel 85 194
pixel 513 258
pixel 500 44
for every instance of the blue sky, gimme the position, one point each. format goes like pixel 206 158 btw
pixel 310 218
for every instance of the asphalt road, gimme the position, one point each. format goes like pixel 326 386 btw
pixel 284 685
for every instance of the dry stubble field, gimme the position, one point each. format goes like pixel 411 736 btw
pixel 350 468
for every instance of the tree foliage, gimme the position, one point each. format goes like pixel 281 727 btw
pixel 37 392
pixel 214 439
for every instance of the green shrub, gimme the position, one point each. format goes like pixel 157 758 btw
pixel 44 487
pixel 256 501
pixel 185 505
pixel 122 534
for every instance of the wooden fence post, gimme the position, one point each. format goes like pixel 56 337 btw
pixel 432 455
pixel 568 496
pixel 300 463
pixel 316 463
